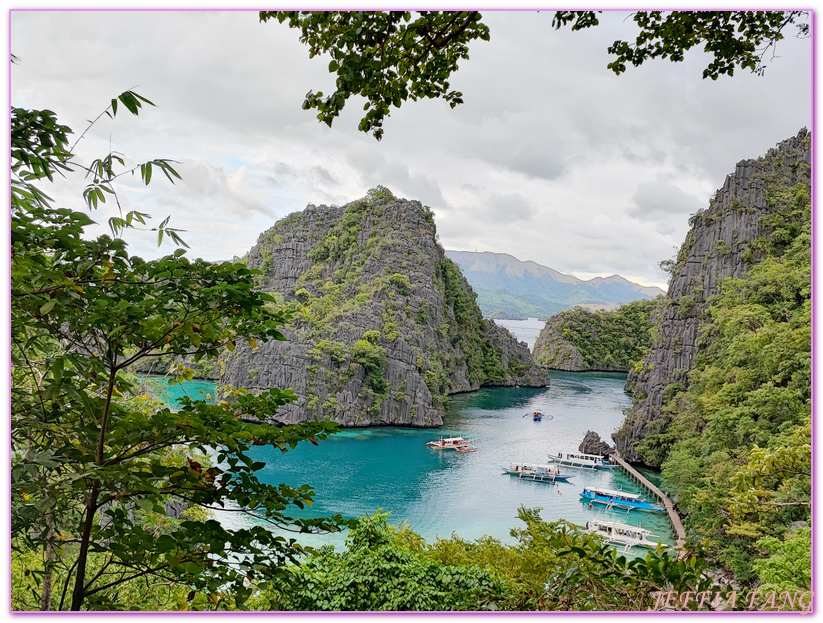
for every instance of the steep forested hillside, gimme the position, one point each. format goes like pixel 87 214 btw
pixel 581 340
pixel 753 216
pixel 723 400
pixel 740 437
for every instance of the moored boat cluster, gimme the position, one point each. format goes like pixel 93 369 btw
pixel 613 532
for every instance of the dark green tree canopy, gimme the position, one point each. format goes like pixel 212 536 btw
pixel 384 56
pixel 96 473
pixel 389 56
pixel 735 38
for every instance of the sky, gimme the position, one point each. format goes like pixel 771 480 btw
pixel 551 158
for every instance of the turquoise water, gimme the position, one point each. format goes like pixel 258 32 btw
pixel 197 389
pixel 440 492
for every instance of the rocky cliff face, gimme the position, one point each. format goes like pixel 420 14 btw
pixel 725 241
pixel 385 325
pixel 554 351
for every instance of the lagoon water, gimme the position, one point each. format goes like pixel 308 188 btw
pixel 440 492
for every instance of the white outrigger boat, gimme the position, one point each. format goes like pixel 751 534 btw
pixel 451 443
pixel 623 534
pixel 583 461
pixel 539 473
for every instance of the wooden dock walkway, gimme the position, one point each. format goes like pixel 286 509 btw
pixel 674 518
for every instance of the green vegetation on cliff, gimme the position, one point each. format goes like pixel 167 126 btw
pixel 384 325
pixel 738 445
pixel 579 339
pixel 460 324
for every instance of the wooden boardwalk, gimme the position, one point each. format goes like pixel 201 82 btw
pixel 674 518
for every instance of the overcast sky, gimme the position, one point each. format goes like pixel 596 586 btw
pixel 551 158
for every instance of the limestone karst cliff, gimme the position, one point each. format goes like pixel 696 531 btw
pixel 580 340
pixel 385 326
pixel 745 216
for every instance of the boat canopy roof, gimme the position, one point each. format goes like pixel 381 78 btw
pixel 535 466
pixel 580 455
pixel 612 493
pixel 616 525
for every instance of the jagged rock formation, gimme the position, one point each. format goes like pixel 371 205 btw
pixel 510 288
pixel 592 444
pixel 385 325
pixel 579 340
pixel 725 241
pixel 554 351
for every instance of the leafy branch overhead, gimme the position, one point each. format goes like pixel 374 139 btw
pixel 389 57
pixel 40 148
pixel 734 38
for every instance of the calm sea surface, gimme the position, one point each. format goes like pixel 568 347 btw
pixel 440 492
pixel 525 330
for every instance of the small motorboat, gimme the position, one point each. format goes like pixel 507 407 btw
pixel 448 443
pixel 537 416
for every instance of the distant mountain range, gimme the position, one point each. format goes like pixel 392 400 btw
pixel 509 288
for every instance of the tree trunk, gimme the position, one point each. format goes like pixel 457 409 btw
pixel 79 594
pixel 48 575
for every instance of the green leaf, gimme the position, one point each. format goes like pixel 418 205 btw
pixel 48 306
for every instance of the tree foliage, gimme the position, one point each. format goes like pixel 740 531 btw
pixel 739 440
pixel 376 572
pixel 553 566
pixel 389 57
pixel 735 39
pixel 385 56
pixel 88 462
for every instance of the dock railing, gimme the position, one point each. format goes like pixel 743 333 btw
pixel 674 518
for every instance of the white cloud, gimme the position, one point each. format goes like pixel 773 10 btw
pixel 551 158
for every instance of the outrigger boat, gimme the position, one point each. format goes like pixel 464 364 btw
pixel 450 443
pixel 539 473
pixel 583 461
pixel 623 534
pixel 537 416
pixel 618 500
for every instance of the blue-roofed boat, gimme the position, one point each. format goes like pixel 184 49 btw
pixel 618 500
pixel 539 473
